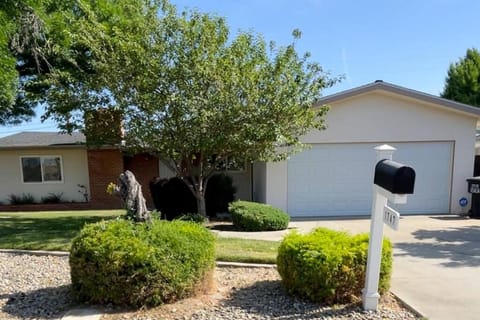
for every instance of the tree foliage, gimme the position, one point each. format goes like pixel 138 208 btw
pixel 10 21
pixel 463 79
pixel 101 27
pixel 44 53
pixel 33 41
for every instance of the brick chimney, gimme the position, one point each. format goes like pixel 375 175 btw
pixel 103 127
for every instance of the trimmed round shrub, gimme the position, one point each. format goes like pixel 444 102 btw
pixel 253 216
pixel 329 266
pixel 140 264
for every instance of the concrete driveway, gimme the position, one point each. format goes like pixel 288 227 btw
pixel 436 261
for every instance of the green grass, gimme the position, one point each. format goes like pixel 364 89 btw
pixel 244 250
pixel 54 230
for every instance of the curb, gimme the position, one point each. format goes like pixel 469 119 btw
pixel 409 306
pixel 65 253
pixel 36 252
pixel 244 265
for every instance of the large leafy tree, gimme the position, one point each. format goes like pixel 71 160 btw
pixel 33 41
pixel 192 93
pixel 188 91
pixel 43 52
pixel 463 79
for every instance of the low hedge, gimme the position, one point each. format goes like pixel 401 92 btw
pixel 252 216
pixel 329 266
pixel 140 264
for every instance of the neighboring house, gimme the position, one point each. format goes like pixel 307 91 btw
pixel 334 177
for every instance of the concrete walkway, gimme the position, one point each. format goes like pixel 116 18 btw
pixel 82 313
pixel 436 261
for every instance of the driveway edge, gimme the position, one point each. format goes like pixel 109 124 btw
pixel 409 306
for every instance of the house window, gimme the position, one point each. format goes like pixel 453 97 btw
pixel 41 169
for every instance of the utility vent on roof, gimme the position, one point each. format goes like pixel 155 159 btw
pixel 377 81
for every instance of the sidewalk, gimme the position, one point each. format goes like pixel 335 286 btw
pixel 436 260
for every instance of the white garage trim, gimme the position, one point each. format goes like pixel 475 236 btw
pixel 336 179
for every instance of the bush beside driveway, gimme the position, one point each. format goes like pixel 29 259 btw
pixel 435 265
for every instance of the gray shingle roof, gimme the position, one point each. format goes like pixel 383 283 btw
pixel 41 139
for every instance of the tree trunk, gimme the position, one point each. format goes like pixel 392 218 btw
pixel 201 207
pixel 198 186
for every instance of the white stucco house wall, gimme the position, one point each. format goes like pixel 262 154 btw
pixel 334 176
pixel 31 164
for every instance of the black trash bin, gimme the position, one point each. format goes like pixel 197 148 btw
pixel 474 189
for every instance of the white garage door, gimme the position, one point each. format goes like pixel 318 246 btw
pixel 336 179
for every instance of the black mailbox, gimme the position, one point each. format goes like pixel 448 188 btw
pixel 394 177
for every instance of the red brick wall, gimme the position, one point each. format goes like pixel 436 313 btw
pixel 144 167
pixel 104 166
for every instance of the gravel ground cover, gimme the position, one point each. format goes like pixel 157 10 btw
pixel 256 293
pixel 37 287
pixel 34 287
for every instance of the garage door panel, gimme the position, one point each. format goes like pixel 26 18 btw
pixel 432 163
pixel 336 179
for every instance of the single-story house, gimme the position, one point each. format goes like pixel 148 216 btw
pixel 49 163
pixel 333 177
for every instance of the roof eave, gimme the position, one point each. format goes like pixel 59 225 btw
pixel 388 87
pixel 63 146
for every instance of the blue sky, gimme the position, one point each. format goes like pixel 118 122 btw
pixel 406 42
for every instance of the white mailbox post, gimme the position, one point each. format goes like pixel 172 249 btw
pixel 392 182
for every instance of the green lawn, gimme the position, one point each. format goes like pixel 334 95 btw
pixel 54 230
pixel 51 230
pixel 243 250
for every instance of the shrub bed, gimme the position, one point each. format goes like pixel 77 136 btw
pixel 125 263
pixel 173 198
pixel 329 266
pixel 252 216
